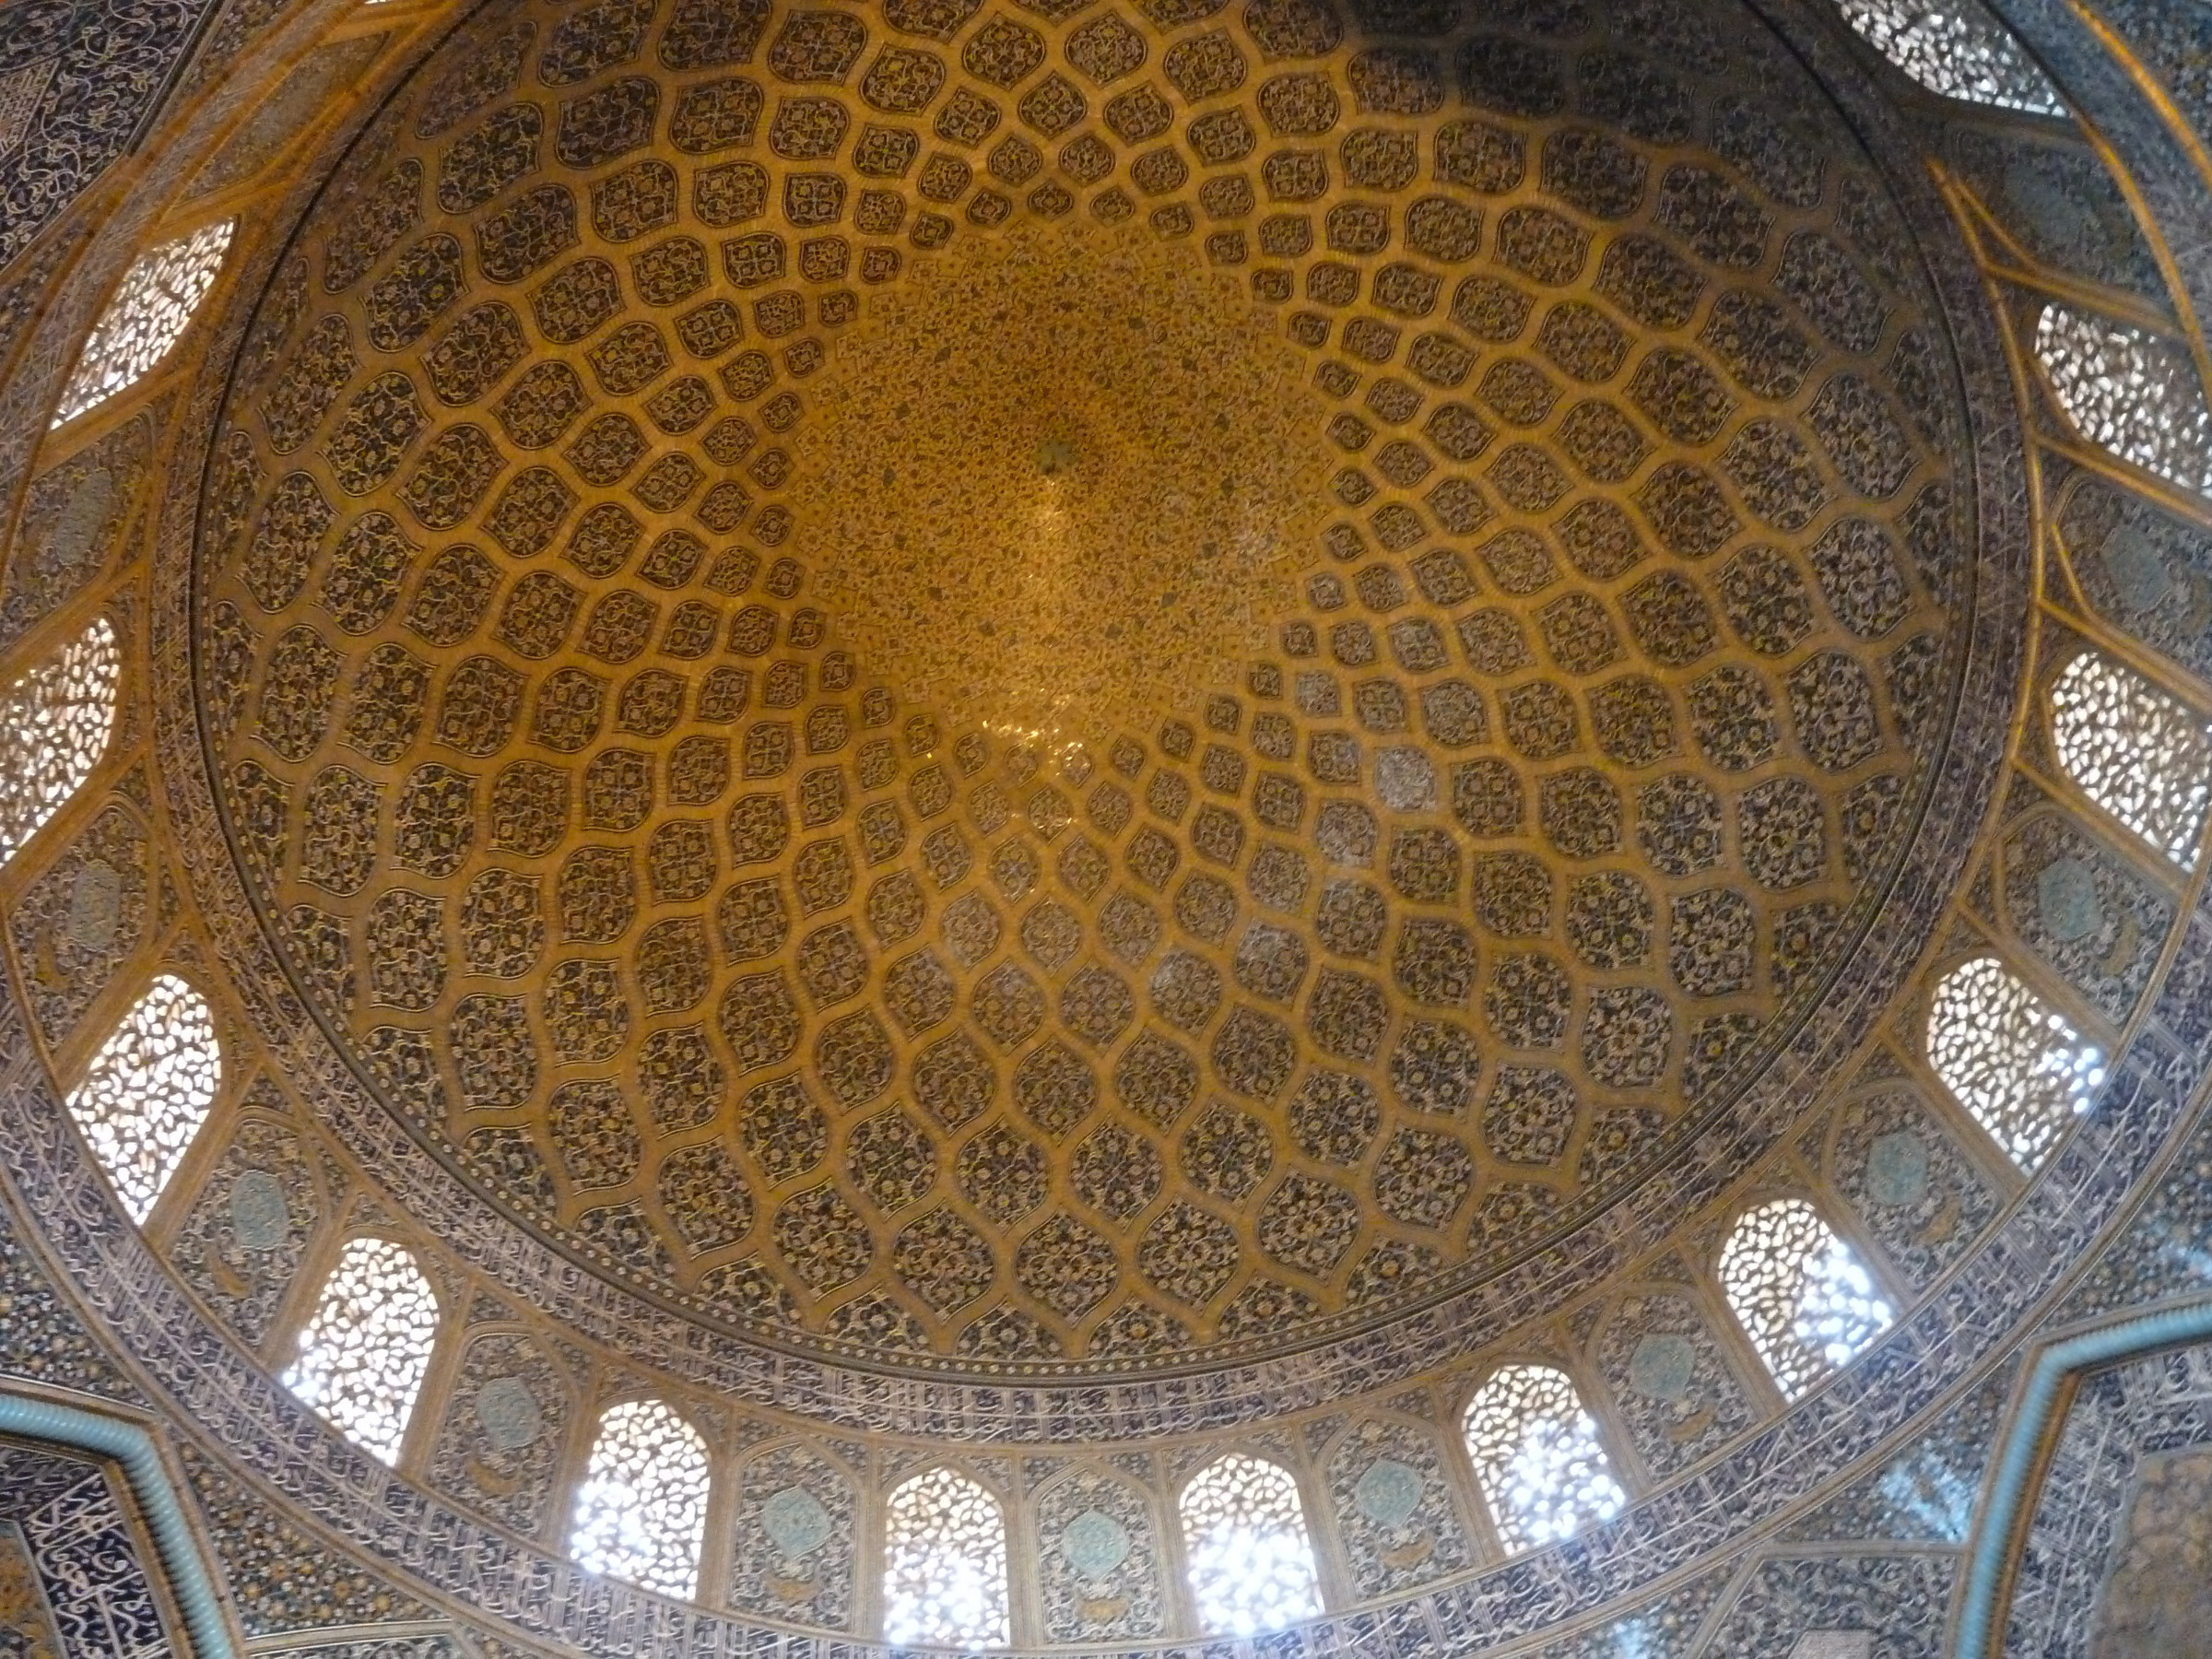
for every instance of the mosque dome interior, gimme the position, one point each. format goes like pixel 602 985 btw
pixel 1297 828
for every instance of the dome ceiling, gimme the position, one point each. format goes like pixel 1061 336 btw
pixel 1079 685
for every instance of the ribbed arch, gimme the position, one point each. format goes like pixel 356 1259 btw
pixel 641 1511
pixel 1538 1455
pixel 945 1564
pixel 147 1090
pixel 1806 1300
pixel 367 1346
pixel 1245 1536
pixel 55 725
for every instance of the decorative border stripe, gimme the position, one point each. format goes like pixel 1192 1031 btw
pixel 132 1448
pixel 2020 1466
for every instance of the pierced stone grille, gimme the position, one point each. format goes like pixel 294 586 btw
pixel 1957 49
pixel 1538 1456
pixel 150 309
pixel 2136 751
pixel 1250 1561
pixel 367 1346
pixel 54 724
pixel 643 1508
pixel 1806 1300
pixel 2010 1060
pixel 148 1090
pixel 2137 393
pixel 945 1564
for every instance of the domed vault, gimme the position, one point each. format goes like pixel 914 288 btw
pixel 849 823
pixel 1067 690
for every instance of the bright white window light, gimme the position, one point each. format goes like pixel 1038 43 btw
pixel 1536 1453
pixel 2136 752
pixel 149 312
pixel 1958 51
pixel 367 1346
pixel 2129 391
pixel 149 1089
pixel 2016 1065
pixel 1808 1303
pixel 1250 1561
pixel 55 725
pixel 945 1565
pixel 643 1508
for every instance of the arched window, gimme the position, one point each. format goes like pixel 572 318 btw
pixel 642 1509
pixel 367 1346
pixel 2134 393
pixel 151 307
pixel 147 1090
pixel 1958 49
pixel 1805 1301
pixel 2136 752
pixel 2016 1065
pixel 55 724
pixel 945 1565
pixel 1250 1561
pixel 1537 1454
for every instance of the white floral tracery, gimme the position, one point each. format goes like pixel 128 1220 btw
pixel 1957 50
pixel 2015 1064
pixel 54 724
pixel 1250 1561
pixel 150 309
pixel 367 1346
pixel 1803 1298
pixel 1538 1455
pixel 945 1564
pixel 642 1510
pixel 2136 751
pixel 2129 391
pixel 147 1090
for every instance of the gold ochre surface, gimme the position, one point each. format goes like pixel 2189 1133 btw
pixel 1060 481
pixel 1017 687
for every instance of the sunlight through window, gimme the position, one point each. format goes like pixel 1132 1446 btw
pixel 1538 1455
pixel 945 1564
pixel 643 1508
pixel 149 312
pixel 1804 1299
pixel 1251 1563
pixel 367 1346
pixel 147 1090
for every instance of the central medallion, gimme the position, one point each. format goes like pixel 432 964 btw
pixel 1058 485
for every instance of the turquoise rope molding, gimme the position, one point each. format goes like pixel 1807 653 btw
pixel 1985 1572
pixel 132 1448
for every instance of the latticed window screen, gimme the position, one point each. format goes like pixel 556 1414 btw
pixel 2136 752
pixel 147 1090
pixel 1538 1455
pixel 150 309
pixel 945 1564
pixel 2015 1064
pixel 1958 49
pixel 643 1508
pixel 55 724
pixel 1808 1303
pixel 2130 391
pixel 1250 1559
pixel 367 1346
